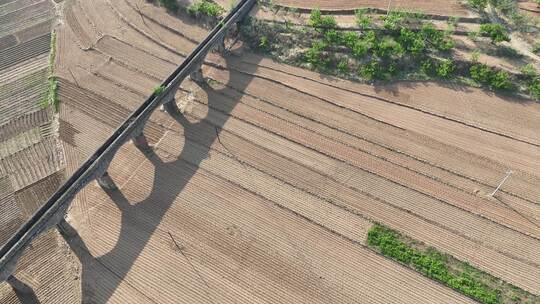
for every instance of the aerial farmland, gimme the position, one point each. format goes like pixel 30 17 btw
pixel 346 151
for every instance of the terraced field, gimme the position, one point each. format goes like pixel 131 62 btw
pixel 31 160
pixel 264 189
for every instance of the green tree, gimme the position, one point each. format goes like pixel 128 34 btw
pixel 363 20
pixel 496 32
pixel 317 20
pixel 445 68
pixel 343 66
pixel 314 55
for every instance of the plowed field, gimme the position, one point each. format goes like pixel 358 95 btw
pixel 263 191
pixel 31 160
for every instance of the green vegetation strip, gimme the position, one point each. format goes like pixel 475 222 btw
pixel 398 46
pixel 444 268
pixel 52 88
pixel 205 8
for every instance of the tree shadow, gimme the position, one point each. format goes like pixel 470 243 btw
pixel 164 192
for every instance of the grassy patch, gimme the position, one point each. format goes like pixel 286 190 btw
pixel 205 8
pixel 51 98
pixel 496 32
pixel 444 268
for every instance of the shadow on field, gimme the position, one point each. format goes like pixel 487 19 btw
pixel 23 292
pixel 394 89
pixel 170 178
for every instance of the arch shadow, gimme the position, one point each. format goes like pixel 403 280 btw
pixel 159 201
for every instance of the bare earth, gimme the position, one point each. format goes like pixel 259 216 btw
pixel 263 192
pixel 439 7
pixel 31 160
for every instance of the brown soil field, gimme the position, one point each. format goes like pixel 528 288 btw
pixel 264 189
pixel 439 7
pixel 529 7
pixel 271 168
pixel 31 159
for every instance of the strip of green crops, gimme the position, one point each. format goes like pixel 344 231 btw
pixel 456 274
pixel 52 88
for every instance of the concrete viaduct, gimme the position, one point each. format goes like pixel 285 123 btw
pixel 52 213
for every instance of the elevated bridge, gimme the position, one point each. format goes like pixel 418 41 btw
pixel 52 213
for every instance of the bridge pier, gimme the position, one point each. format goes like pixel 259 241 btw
pixel 220 45
pixel 18 285
pixel 106 182
pixel 197 74
pixel 171 107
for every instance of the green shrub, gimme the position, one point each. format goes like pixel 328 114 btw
pixel 478 4
pixel 413 42
pixel 445 68
pixel 529 71
pixel 440 40
pixel 349 39
pixel 314 55
pixel 427 67
pixel 360 49
pixel 430 263
pixel 536 48
pixel 496 32
pixel 534 89
pixel 371 70
pixel 317 20
pixel 388 47
pixel 343 66
pixel 484 74
pixel 475 56
pixel 363 20
pixel 332 36
pixel 264 43
pixel 501 81
pixel 206 8
pixel 473 35
pixel 480 73
pixel 394 20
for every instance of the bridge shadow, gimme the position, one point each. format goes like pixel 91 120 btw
pixel 24 293
pixel 166 187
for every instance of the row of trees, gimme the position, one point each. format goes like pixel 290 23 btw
pixel 377 51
